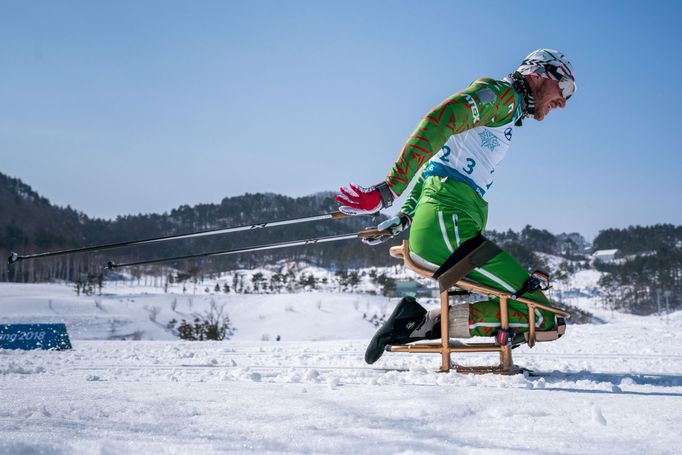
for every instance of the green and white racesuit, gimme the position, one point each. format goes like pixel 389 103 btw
pixel 457 148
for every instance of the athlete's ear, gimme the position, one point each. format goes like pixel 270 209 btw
pixel 534 81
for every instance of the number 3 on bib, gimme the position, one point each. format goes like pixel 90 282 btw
pixel 470 166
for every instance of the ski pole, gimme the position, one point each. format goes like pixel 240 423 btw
pixel 271 246
pixel 15 257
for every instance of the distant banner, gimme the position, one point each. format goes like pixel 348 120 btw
pixel 34 336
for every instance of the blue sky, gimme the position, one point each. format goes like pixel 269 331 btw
pixel 135 107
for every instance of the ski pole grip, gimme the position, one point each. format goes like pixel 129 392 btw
pixel 339 215
pixel 13 257
pixel 369 233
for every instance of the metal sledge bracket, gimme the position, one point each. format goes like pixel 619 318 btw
pixel 537 280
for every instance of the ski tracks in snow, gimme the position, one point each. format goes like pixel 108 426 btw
pixel 593 391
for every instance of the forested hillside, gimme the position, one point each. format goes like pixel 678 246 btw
pixel 29 223
pixel 646 275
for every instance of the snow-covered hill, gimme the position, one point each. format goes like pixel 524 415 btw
pixel 614 387
pixel 125 312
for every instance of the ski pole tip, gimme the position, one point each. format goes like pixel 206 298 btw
pixel 13 257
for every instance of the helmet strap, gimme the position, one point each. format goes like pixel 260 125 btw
pixel 520 84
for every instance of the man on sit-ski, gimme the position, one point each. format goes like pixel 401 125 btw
pixel 455 151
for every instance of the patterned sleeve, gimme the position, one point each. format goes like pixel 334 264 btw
pixel 485 102
pixel 410 204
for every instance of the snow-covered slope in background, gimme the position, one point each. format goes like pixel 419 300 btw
pixel 124 312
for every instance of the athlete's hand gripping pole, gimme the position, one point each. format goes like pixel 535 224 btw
pixel 388 229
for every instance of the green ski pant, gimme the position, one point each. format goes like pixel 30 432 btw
pixel 447 214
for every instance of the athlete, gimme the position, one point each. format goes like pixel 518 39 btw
pixel 454 153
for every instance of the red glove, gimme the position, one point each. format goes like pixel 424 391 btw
pixel 358 200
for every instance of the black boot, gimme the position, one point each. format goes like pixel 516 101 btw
pixel 405 319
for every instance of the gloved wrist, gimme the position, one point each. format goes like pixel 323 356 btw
pixel 406 219
pixel 387 196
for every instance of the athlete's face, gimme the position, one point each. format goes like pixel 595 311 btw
pixel 547 96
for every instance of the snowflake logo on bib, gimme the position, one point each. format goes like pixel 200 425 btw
pixel 488 140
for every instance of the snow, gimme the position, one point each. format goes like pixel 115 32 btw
pixel 607 388
pixel 124 312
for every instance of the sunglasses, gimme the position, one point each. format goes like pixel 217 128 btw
pixel 566 83
pixel 567 87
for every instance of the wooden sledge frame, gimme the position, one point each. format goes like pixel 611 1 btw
pixel 445 347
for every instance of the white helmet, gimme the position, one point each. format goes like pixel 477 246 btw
pixel 550 64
